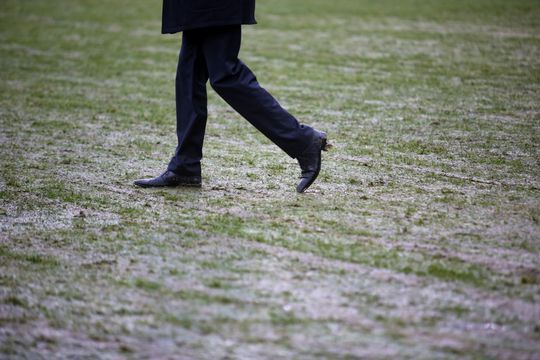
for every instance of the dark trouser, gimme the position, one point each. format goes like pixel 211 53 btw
pixel 212 53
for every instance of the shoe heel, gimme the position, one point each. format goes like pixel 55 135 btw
pixel 325 145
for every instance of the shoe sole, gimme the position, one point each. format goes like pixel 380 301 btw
pixel 168 186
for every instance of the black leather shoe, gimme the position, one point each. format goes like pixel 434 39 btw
pixel 310 161
pixel 169 179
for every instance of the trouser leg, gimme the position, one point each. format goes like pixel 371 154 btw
pixel 191 107
pixel 237 85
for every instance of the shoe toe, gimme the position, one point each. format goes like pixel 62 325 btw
pixel 303 185
pixel 141 183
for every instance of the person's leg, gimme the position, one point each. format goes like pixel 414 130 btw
pixel 191 106
pixel 214 53
pixel 237 85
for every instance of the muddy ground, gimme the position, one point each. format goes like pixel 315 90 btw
pixel 420 240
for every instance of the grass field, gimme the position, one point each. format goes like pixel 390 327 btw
pixel 420 240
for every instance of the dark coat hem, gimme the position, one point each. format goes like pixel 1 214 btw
pixel 177 29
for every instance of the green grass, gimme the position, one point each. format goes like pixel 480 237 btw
pixel 419 240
